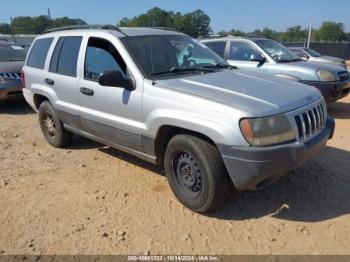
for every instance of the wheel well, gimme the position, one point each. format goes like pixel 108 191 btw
pixel 38 99
pixel 165 133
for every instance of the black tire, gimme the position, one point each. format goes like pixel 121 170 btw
pixel 196 173
pixel 51 127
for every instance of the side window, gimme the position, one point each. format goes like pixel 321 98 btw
pixel 101 56
pixel 300 53
pixel 242 51
pixel 217 47
pixel 65 56
pixel 39 52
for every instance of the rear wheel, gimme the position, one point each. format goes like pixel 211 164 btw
pixel 51 127
pixel 196 173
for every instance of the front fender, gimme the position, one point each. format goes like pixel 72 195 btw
pixel 217 129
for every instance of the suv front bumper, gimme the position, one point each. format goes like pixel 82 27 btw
pixel 252 168
pixel 331 91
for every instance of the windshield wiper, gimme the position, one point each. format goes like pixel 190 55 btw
pixel 13 60
pixel 289 60
pixel 220 66
pixel 175 70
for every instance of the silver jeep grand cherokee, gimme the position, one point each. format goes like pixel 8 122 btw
pixel 170 100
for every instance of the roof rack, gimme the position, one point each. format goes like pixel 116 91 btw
pixel 76 27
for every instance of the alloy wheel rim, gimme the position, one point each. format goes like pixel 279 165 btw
pixel 49 124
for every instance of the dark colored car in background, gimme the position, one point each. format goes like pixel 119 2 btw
pixel 12 59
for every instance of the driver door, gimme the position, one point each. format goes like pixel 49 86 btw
pixel 241 54
pixel 112 114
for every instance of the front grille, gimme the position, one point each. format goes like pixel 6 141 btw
pixel 343 76
pixel 11 75
pixel 311 122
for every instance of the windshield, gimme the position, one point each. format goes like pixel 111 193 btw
pixel 12 53
pixel 312 52
pixel 277 52
pixel 171 55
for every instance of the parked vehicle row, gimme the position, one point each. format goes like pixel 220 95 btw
pixel 11 62
pixel 170 100
pixel 265 56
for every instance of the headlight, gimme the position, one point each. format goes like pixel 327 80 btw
pixel 325 76
pixel 267 131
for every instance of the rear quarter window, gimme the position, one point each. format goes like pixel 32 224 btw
pixel 217 47
pixel 38 53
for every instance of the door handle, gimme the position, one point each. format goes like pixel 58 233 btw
pixel 49 81
pixel 87 91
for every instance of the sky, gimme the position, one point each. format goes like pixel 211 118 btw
pixel 246 15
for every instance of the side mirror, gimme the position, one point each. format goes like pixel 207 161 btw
pixel 257 58
pixel 115 79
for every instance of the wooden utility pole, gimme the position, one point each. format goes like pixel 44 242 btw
pixel 49 16
pixel 309 38
pixel 13 36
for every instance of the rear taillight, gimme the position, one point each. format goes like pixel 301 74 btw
pixel 23 79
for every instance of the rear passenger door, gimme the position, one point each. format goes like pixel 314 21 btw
pixel 62 78
pixel 112 114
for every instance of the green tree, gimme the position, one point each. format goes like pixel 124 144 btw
pixel 5 28
pixel 330 31
pixel 294 34
pixel 30 25
pixel 196 23
pixel 66 21
pixel 236 32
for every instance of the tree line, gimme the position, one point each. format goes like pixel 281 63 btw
pixel 195 24
pixel 36 24
pixel 329 31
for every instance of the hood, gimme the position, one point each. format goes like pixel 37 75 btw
pixel 307 71
pixel 314 66
pixel 332 59
pixel 256 94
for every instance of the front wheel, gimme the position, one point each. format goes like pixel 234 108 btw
pixel 196 173
pixel 51 127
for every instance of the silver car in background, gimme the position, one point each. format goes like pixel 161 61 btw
pixel 11 62
pixel 311 55
pixel 261 55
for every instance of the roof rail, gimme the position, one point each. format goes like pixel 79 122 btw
pixel 165 28
pixel 76 27
pixel 254 35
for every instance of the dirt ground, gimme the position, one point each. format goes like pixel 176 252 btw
pixel 91 199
